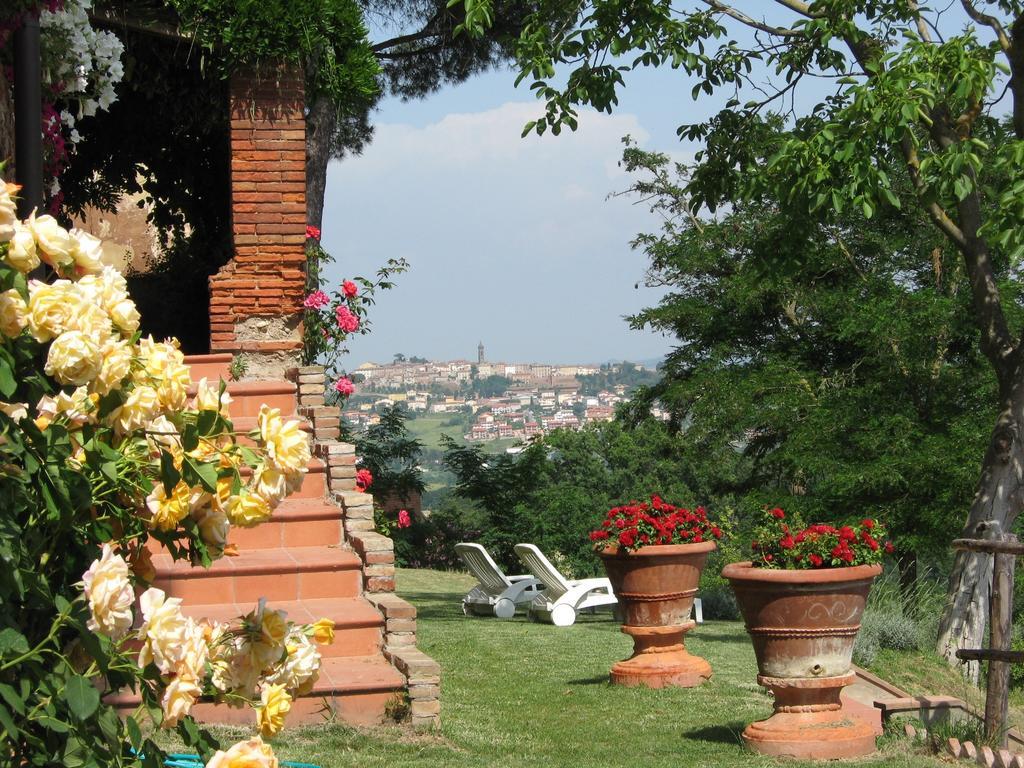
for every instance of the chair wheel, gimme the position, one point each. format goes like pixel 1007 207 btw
pixel 504 608
pixel 563 616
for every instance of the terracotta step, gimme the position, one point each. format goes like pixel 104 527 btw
pixel 248 396
pixel 277 574
pixel 210 367
pixel 297 522
pixel 358 625
pixel 356 688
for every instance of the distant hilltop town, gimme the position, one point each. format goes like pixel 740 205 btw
pixel 499 400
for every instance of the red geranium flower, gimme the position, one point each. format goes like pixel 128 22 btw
pixel 364 479
pixel 778 514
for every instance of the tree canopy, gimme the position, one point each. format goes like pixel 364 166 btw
pixel 912 87
pixel 838 357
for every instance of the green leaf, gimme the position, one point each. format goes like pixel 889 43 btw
pixel 169 475
pixel 52 724
pixel 8 723
pixel 7 382
pixel 8 694
pixel 204 474
pixel 82 697
pixel 134 733
pixel 206 423
pixel 190 438
pixel 12 643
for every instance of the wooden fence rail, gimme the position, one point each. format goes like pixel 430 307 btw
pixel 1004 549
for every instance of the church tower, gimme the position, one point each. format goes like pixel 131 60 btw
pixel 480 352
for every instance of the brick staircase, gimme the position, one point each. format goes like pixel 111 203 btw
pixel 303 562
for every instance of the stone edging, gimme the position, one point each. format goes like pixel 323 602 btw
pixel 377 552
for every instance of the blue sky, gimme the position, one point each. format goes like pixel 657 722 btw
pixel 512 241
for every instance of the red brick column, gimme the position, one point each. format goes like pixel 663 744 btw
pixel 256 299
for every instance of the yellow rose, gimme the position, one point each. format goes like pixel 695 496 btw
pixel 275 705
pixel 78 407
pixel 287 446
pixel 54 242
pixel 8 211
pixel 213 528
pixel 245 754
pixel 115 365
pixel 161 433
pixel 109 594
pixel 157 355
pixel 125 315
pixel 141 407
pixel 87 251
pixel 208 398
pixel 90 319
pixel 273 625
pixel 51 307
pixel 179 696
pixel 323 631
pixel 74 358
pixel 164 631
pixel 300 668
pixel 194 652
pixel 172 388
pixel 167 511
pixel 247 509
pixel 16 411
pixel 13 313
pixel 21 251
pixel 270 484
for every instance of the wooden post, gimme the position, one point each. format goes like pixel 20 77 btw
pixel 1000 631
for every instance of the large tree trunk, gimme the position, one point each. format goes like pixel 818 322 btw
pixel 999 498
pixel 6 129
pixel 320 124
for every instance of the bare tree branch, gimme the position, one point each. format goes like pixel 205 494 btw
pixel 751 22
pixel 800 7
pixel 988 21
pixel 922 27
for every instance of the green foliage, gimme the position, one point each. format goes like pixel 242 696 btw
pixel 323 340
pixel 607 378
pixel 494 385
pixel 326 37
pixel 391 455
pixel 558 489
pixel 164 145
pixel 839 358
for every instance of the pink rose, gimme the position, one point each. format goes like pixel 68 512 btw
pixel 312 233
pixel 349 288
pixel 316 299
pixel 403 519
pixel 347 321
pixel 344 386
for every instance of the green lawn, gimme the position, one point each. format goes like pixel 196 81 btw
pixel 522 694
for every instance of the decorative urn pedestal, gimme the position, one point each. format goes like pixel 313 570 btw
pixel 803 624
pixel 656 586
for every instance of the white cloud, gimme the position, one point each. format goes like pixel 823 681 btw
pixel 511 239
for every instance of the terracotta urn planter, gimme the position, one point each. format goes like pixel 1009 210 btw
pixel 656 586
pixel 803 624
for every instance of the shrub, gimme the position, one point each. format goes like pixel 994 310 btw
pixel 101 450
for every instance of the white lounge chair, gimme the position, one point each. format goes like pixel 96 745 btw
pixel 496 593
pixel 563 598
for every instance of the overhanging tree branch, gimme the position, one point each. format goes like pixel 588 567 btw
pixel 751 22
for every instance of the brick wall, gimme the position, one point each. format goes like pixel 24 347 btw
pixel 256 299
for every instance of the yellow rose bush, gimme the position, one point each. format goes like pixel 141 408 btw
pixel 107 453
